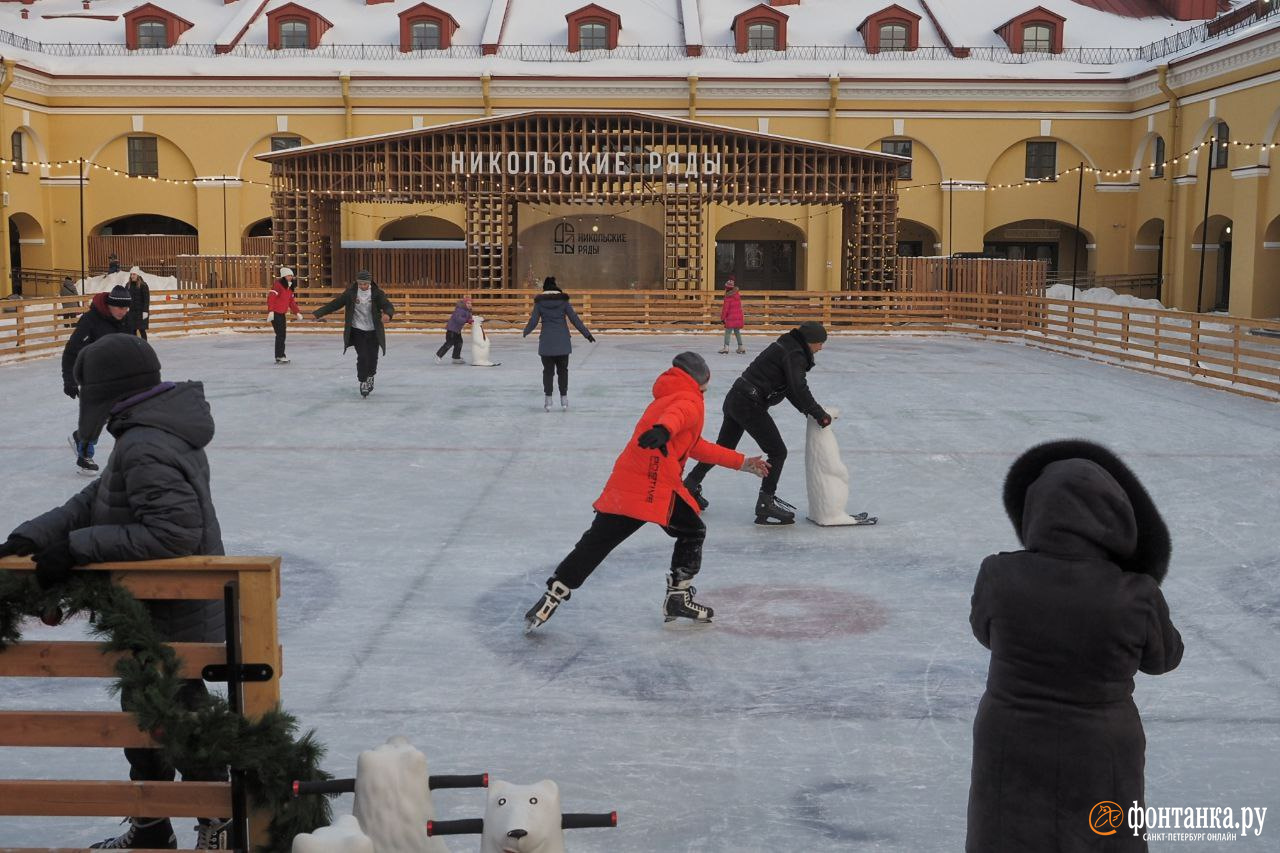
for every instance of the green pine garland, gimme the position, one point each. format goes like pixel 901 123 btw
pixel 266 750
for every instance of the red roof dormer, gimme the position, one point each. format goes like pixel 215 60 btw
pixel 763 17
pixel 283 23
pixel 891 16
pixel 592 16
pixel 430 23
pixel 1017 32
pixel 141 30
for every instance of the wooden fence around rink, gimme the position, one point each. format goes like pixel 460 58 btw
pixel 189 578
pixel 1238 354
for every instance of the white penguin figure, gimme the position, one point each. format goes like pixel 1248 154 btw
pixel 827 477
pixel 480 345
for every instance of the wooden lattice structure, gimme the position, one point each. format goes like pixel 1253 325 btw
pixel 492 165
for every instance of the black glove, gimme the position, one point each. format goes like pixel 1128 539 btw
pixel 590 339
pixel 823 419
pixel 17 546
pixel 70 389
pixel 54 565
pixel 655 438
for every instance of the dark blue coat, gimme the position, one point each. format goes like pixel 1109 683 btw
pixel 551 308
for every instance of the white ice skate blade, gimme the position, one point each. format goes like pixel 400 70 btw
pixel 849 522
pixel 485 364
pixel 682 624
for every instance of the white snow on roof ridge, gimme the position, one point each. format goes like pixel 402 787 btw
pixel 241 18
pixel 690 15
pixel 493 24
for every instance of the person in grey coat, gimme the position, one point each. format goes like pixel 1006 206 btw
pixel 551 308
pixel 152 501
pixel 1069 620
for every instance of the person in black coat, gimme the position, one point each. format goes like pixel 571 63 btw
pixel 776 374
pixel 1069 620
pixel 152 501
pixel 552 309
pixel 364 325
pixel 108 314
pixel 139 303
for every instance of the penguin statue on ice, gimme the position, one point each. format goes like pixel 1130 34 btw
pixel 827 477
pixel 480 345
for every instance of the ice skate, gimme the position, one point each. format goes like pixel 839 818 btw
pixel 564 403
pixel 742 350
pixel 282 360
pixel 679 603
pixel 84 456
pixel 723 350
pixel 458 361
pixel 211 834
pixel 695 489
pixel 439 358
pixel 154 834
pixel 546 404
pixel 371 381
pixel 773 512
pixel 551 599
pixel 365 388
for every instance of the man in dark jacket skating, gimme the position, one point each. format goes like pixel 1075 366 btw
pixel 776 374
pixel 364 325
pixel 152 501
pixel 1069 620
pixel 108 314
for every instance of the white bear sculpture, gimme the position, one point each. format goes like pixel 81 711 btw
pixel 343 836
pixel 480 345
pixel 827 477
pixel 393 798
pixel 522 819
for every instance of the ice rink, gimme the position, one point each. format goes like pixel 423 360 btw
pixel 830 705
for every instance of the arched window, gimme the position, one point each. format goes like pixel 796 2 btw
pixel 593 35
pixel 424 35
pixel 762 37
pixel 893 36
pixel 294 33
pixel 1037 38
pixel 1157 158
pixel 152 32
pixel 1221 146
pixel 18 165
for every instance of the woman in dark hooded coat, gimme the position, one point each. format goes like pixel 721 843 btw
pixel 551 308
pixel 1069 621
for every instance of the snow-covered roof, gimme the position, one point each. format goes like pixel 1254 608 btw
pixel 822 39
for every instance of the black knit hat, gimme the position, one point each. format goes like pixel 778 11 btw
pixel 107 371
pixel 364 275
pixel 694 365
pixel 813 332
pixel 119 297
pixel 549 283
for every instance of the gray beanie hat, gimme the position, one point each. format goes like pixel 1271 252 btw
pixel 813 332
pixel 110 369
pixel 694 365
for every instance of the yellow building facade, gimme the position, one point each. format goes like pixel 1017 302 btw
pixel 996 161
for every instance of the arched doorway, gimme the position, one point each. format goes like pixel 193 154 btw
pixel 421 228
pixel 1148 258
pixel 1211 243
pixel 761 254
pixel 1267 294
pixel 261 228
pixel 916 239
pixel 145 223
pixel 1065 248
pixel 25 231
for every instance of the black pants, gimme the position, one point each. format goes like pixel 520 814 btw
pixel 280 323
pixel 558 365
pixel 742 414
pixel 451 339
pixel 149 765
pixel 608 531
pixel 366 344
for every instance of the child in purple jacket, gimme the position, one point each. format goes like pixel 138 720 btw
pixel 460 317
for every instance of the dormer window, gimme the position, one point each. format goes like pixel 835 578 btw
pixel 593 27
pixel 893 36
pixel 762 37
pixel 294 34
pixel 152 32
pixel 424 27
pixel 295 27
pixel 1037 38
pixel 891 28
pixel 761 27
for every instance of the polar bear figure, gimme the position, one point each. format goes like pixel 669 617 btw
pixel 393 798
pixel 826 476
pixel 479 344
pixel 344 836
pixel 523 819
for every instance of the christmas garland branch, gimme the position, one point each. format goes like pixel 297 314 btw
pixel 268 751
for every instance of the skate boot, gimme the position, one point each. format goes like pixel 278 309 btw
pixel 771 511
pixel 282 360
pixel 84 455
pixel 147 833
pixel 439 358
pixel 564 403
pixel 695 489
pixel 551 599
pixel 371 380
pixel 458 361
pixel 723 350
pixel 211 834
pixel 546 404
pixel 365 388
pixel 742 350
pixel 679 603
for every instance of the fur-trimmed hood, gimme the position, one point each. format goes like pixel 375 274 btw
pixel 550 295
pixel 1074 497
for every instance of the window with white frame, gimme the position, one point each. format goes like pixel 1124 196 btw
pixel 1037 38
pixel 295 33
pixel 1042 160
pixel 762 37
pixel 143 156
pixel 153 32
pixel 424 35
pixel 893 36
pixel 593 35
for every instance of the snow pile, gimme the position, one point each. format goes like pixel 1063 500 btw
pixel 100 283
pixel 344 836
pixel 393 798
pixel 1102 295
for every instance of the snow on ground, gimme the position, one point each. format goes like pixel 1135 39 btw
pixel 830 706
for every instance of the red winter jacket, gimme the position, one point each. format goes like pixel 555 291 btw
pixel 281 299
pixel 731 311
pixel 644 483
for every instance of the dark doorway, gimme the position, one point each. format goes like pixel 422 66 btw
pixel 1024 252
pixel 757 264
pixel 910 248
pixel 15 259
pixel 1223 300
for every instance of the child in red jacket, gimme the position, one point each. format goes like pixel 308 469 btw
pixel 647 485
pixel 280 304
pixel 731 315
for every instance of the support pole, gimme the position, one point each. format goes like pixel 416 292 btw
pixel 6 261
pixel 1204 223
pixel 1075 256
pixel 82 269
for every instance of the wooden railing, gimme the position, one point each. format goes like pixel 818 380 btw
pixel 972 275
pixel 1236 353
pixel 154 253
pixel 188 578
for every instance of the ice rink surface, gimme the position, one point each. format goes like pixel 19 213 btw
pixel 828 708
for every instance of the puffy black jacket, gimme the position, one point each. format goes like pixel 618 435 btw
pixel 152 501
pixel 95 323
pixel 139 304
pixel 778 373
pixel 347 299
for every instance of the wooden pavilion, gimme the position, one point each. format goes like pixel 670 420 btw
pixel 490 168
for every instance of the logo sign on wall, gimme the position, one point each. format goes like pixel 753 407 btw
pixel 567 240
pixel 687 164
